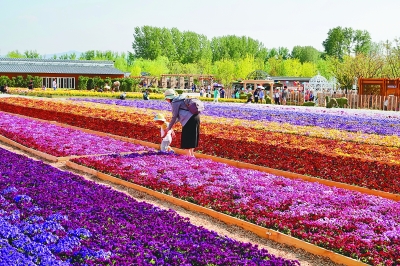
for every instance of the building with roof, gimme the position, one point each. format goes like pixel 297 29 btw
pixel 66 72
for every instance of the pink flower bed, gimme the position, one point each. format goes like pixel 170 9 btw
pixel 60 141
pixel 356 225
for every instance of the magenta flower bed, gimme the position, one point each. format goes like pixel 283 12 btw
pixel 60 141
pixel 51 217
pixel 359 226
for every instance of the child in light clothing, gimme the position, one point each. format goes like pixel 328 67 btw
pixel 166 141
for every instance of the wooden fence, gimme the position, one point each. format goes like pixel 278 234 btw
pixel 354 101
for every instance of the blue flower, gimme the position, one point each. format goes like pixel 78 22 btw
pixel 9 190
pixel 57 217
pixel 65 244
pixel 7 230
pixel 22 198
pixel 13 215
pixel 45 238
pixel 11 257
pixel 52 226
pixel 80 232
pixel 30 229
pixel 34 219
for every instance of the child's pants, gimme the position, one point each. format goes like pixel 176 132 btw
pixel 165 145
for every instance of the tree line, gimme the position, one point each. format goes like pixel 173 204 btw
pixel 348 53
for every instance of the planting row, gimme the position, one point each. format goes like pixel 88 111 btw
pixel 51 217
pixel 376 123
pixel 371 166
pixel 350 223
pixel 121 113
pixel 59 141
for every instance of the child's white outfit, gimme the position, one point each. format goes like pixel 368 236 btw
pixel 166 141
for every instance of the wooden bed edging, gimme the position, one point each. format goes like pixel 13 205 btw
pixel 258 230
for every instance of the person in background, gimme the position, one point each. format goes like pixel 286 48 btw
pixel 284 95
pixel 54 84
pixel 146 94
pixel 190 122
pixel 202 91
pixel 234 92
pixel 237 95
pixel 208 91
pixel 116 85
pixel 277 96
pixel 122 96
pixel 222 92
pixel 216 94
pixel 30 85
pixel 3 88
pixel 106 87
pixel 311 96
pixel 166 141
pixel 256 94
pixel 261 95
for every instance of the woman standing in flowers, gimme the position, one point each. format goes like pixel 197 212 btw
pixel 190 122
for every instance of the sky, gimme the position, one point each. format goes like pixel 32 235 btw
pixel 60 26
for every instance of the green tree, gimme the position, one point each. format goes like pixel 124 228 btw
pixel 224 71
pixel 234 47
pixel 346 41
pixel 392 51
pixel 32 54
pixel 247 65
pixel 147 42
pixel 15 54
pixel 306 54
pixel 292 67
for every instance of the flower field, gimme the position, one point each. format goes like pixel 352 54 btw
pixel 352 149
pixel 60 141
pixel 52 217
pixel 360 226
pixel 344 146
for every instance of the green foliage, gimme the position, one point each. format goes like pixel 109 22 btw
pixel 98 82
pixel 184 47
pixel 306 54
pixel 37 82
pixel 330 102
pixel 15 54
pixel 128 84
pixel 308 104
pixel 83 83
pixel 20 82
pixel 268 99
pixel 4 80
pixel 346 41
pixel 341 102
pixel 244 96
pixel 234 47
pixel 32 54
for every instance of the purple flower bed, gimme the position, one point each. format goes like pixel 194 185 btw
pixel 373 123
pixel 51 217
pixel 351 223
pixel 60 141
